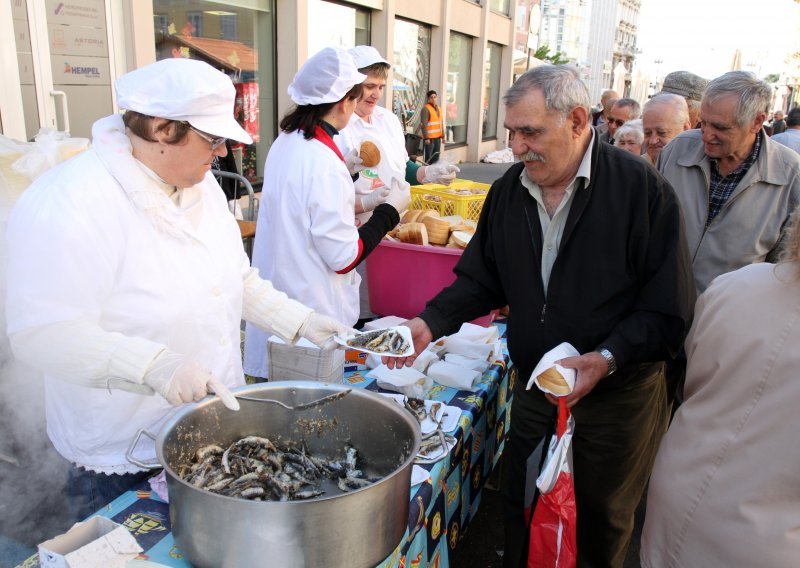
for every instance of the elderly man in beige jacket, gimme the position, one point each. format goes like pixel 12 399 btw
pixel 736 186
pixel 725 489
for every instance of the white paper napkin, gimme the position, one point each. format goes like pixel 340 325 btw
pixel 383 323
pixel 468 348
pixel 397 377
pixel 468 362
pixel 451 375
pixel 478 333
pixel 419 475
pixel 548 360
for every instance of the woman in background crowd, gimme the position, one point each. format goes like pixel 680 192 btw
pixel 630 136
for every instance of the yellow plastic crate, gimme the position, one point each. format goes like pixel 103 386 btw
pixel 443 199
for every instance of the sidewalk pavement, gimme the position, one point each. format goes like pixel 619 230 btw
pixel 480 172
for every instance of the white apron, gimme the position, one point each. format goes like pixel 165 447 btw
pixel 385 127
pixel 305 235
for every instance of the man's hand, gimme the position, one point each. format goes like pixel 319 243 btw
pixel 427 141
pixel 422 336
pixel 591 368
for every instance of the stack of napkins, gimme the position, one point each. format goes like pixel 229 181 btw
pixel 476 341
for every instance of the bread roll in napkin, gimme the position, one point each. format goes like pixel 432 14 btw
pixel 551 377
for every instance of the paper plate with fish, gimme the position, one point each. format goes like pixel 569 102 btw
pixel 389 342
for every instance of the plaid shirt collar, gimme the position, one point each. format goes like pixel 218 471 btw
pixel 722 187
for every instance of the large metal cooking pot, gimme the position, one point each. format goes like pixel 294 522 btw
pixel 360 528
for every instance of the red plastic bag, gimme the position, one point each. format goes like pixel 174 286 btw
pixel 553 535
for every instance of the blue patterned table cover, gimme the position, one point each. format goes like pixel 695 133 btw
pixel 440 509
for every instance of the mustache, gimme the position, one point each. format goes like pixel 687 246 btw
pixel 531 157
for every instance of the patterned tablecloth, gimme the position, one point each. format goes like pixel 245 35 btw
pixel 440 509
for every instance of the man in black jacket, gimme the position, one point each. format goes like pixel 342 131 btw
pixel 585 243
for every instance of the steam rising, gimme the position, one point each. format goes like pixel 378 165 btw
pixel 32 473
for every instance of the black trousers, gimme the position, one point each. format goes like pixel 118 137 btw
pixel 616 437
pixel 432 150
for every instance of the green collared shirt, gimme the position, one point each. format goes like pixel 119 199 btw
pixel 552 229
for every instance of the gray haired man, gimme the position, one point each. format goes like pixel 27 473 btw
pixel 664 117
pixel 623 110
pixel 737 187
pixel 585 243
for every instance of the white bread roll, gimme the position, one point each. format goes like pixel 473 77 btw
pixel 554 382
pixel 462 238
pixel 438 230
pixel 413 233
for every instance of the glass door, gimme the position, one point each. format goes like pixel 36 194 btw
pixel 65 73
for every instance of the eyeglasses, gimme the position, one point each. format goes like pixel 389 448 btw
pixel 215 142
pixel 616 121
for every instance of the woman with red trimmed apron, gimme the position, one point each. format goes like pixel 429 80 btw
pixel 306 240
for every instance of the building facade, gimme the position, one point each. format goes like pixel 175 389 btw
pixel 62 58
pixel 612 47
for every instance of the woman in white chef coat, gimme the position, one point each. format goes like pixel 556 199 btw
pixel 371 120
pixel 127 277
pixel 307 242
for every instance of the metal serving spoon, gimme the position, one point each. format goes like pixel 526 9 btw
pixel 304 406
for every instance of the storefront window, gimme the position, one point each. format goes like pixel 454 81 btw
pixel 412 57
pixel 241 43
pixel 336 25
pixel 500 6
pixel 491 89
pixel 457 99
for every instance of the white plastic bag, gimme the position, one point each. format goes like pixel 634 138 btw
pixel 49 148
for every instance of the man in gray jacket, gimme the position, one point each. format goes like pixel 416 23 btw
pixel 737 187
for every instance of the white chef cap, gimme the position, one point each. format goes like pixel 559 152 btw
pixel 325 77
pixel 186 90
pixel 366 55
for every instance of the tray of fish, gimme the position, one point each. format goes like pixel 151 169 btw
pixel 431 414
pixel 432 447
pixel 390 342
pixel 255 468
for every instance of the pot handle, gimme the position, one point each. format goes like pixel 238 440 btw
pixel 136 461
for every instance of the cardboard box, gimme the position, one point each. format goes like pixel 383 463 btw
pixel 300 362
pixel 355 361
pixel 96 543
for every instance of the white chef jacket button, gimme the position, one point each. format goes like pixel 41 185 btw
pixel 549 247
pixel 216 291
pixel 223 341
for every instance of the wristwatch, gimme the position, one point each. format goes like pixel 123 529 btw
pixel 610 361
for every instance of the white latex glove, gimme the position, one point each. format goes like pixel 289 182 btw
pixel 354 162
pixel 180 380
pixel 440 173
pixel 399 195
pixel 371 200
pixel 320 330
